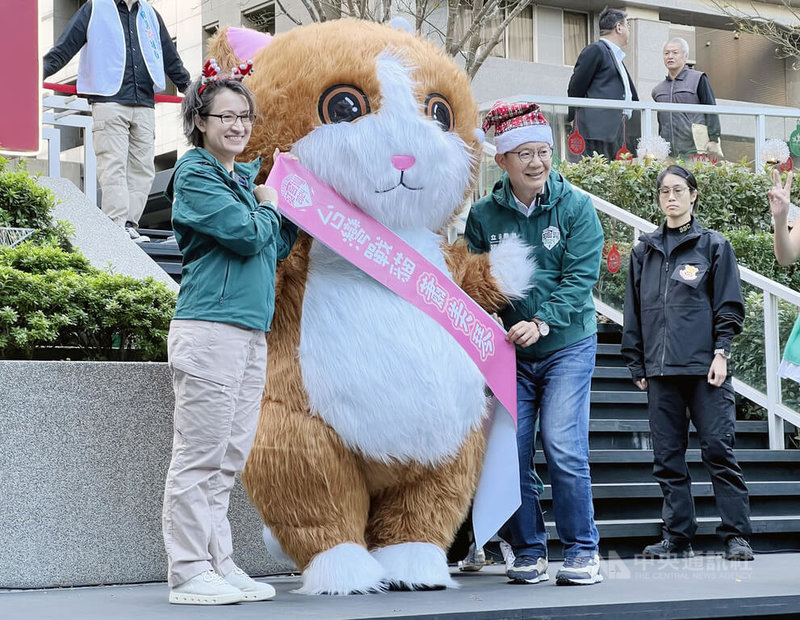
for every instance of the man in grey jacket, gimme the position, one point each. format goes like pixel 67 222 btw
pixel 685 85
pixel 126 53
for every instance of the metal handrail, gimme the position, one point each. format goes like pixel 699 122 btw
pixel 70 111
pixel 760 112
pixel 773 293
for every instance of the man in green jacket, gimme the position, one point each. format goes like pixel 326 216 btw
pixel 555 332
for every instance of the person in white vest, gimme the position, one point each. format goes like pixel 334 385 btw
pixel 126 54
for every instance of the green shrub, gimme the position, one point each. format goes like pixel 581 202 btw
pixel 25 204
pixel 51 296
pixel 747 362
pixel 63 302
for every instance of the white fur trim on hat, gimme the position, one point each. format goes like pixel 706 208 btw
pixel 509 140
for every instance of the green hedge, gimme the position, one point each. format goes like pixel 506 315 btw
pixel 53 303
pixel 732 200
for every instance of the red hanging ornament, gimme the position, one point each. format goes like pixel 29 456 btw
pixel 613 260
pixel 787 165
pixel 624 154
pixel 575 142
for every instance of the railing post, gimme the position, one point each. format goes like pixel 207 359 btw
pixel 53 137
pixel 89 166
pixel 772 346
pixel 647 130
pixel 761 135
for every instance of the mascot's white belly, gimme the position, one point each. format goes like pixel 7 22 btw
pixel 388 378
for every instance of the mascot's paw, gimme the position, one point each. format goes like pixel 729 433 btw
pixel 415 566
pixel 347 568
pixel 513 267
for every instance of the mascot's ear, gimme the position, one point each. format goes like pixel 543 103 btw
pixel 399 23
pixel 246 42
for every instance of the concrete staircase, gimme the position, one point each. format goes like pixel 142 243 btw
pixel 627 500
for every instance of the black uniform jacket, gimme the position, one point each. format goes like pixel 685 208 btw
pixel 680 308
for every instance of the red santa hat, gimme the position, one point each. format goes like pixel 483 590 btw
pixel 515 124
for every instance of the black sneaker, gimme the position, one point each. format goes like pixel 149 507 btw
pixel 737 548
pixel 668 549
pixel 528 569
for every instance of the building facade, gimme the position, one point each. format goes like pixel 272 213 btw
pixel 534 57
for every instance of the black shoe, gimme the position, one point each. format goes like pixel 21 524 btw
pixel 668 549
pixel 737 548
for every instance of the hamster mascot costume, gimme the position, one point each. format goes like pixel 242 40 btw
pixel 370 440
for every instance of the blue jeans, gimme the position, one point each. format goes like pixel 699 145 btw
pixel 555 392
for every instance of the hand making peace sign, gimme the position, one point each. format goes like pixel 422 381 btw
pixel 779 196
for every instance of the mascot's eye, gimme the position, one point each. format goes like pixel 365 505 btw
pixel 439 109
pixel 342 103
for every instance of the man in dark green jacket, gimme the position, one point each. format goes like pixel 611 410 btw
pixel 554 330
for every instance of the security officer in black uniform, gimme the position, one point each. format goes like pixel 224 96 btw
pixel 683 306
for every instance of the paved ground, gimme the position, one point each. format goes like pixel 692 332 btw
pixel 703 587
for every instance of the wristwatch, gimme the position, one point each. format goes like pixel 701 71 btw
pixel 723 353
pixel 544 328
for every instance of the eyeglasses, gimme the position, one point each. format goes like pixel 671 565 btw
pixel 229 119
pixel 679 190
pixel 526 156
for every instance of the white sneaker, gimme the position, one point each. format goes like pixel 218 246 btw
pixel 583 570
pixel 508 554
pixel 251 589
pixel 134 234
pixel 207 588
pixel 475 560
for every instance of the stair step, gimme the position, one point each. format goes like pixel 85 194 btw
pixel 618 466
pixel 629 528
pixel 618 411
pixel 619 397
pixel 608 349
pixel 611 425
pixel 612 372
pixel 692 456
pixel 623 490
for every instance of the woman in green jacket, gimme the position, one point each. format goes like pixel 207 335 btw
pixel 231 235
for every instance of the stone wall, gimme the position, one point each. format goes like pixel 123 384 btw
pixel 84 451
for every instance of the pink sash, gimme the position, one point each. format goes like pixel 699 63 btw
pixel 369 245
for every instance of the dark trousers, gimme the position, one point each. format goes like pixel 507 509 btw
pixel 609 149
pixel 712 410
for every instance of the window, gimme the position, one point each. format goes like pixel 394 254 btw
pixel 208 31
pixel 520 36
pixel 538 34
pixel 576 35
pixel 63 10
pixel 261 18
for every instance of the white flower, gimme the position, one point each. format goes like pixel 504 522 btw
pixel 652 148
pixel 774 151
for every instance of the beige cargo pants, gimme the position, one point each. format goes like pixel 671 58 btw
pixel 124 144
pixel 218 374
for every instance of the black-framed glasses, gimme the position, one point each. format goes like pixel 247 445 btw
pixel 229 119
pixel 679 190
pixel 526 155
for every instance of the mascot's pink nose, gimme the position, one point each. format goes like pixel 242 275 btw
pixel 403 162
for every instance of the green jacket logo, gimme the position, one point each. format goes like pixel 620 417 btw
pixel 550 237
